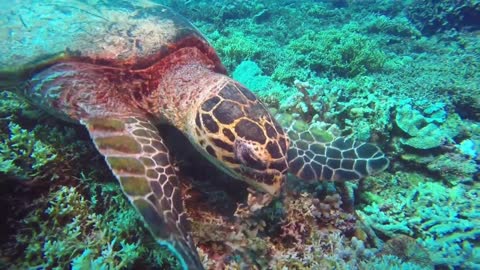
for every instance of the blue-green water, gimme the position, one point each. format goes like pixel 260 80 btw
pixel 403 75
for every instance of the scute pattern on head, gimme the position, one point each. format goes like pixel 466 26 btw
pixel 237 131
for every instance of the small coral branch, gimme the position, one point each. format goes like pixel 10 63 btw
pixel 307 99
pixel 22 154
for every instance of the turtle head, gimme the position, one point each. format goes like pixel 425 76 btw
pixel 234 130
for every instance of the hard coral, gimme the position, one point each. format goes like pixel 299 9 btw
pixel 66 229
pixel 438 16
pixel 337 52
pixel 430 129
pixel 22 154
pixel 454 168
pixel 269 91
pixel 329 214
pixel 408 250
pixel 441 219
pixel 235 47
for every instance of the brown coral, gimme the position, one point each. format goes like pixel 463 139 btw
pixel 408 250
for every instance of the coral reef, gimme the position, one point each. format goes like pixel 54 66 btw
pixel 442 219
pixel 407 249
pixel 402 74
pixel 437 16
pixel 312 234
pixel 63 227
pixel 431 129
pixel 270 91
pixel 335 52
pixel 22 154
pixel 60 212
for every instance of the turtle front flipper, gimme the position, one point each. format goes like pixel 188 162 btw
pixel 140 161
pixel 315 154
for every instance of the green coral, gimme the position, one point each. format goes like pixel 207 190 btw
pixel 14 108
pixel 22 154
pixel 350 87
pixel 9 104
pixel 235 47
pixel 103 232
pixel 439 16
pixel 396 27
pixel 341 52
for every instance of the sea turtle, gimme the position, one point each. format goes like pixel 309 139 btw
pixel 119 68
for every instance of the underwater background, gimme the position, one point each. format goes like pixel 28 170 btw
pixel 404 75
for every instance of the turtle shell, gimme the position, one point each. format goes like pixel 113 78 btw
pixel 37 34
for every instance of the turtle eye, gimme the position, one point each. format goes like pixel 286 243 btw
pixel 247 157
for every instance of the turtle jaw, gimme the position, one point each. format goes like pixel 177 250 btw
pixel 266 176
pixel 269 181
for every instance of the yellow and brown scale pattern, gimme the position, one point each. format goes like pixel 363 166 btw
pixel 234 118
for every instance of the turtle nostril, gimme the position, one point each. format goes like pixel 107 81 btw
pixel 247 157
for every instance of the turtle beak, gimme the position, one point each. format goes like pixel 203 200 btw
pixel 269 181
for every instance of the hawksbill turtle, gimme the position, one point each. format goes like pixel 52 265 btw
pixel 121 68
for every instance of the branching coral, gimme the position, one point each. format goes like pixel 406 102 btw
pixel 235 48
pixel 343 52
pixel 443 220
pixel 329 214
pixel 10 105
pixel 22 154
pixel 360 79
pixel 65 229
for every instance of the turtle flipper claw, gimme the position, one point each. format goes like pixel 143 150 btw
pixel 140 161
